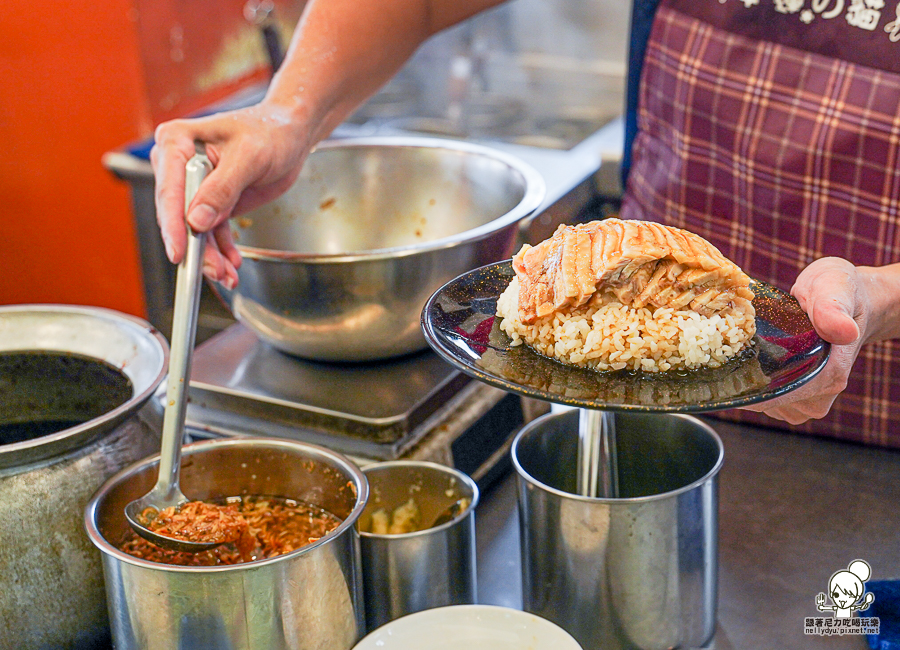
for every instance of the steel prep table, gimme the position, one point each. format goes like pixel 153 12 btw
pixel 793 509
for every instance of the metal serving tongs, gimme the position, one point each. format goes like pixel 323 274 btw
pixel 167 492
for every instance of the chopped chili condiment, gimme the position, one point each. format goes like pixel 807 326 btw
pixel 197 521
pixel 251 528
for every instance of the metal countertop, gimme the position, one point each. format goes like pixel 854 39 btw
pixel 793 510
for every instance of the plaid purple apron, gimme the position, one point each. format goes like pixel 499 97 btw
pixel 772 128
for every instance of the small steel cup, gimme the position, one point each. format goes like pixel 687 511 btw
pixel 410 572
pixel 635 572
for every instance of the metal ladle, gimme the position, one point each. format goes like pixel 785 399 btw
pixel 597 474
pixel 167 493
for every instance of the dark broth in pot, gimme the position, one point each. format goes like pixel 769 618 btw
pixel 43 392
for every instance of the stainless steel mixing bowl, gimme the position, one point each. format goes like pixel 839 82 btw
pixel 339 267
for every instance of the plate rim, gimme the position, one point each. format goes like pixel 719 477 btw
pixel 431 335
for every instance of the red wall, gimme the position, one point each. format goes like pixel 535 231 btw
pixel 77 80
pixel 71 88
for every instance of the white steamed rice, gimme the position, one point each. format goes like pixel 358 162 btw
pixel 612 336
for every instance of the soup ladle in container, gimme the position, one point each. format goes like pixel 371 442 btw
pixel 167 493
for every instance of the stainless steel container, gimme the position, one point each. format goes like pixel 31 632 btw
pixel 637 572
pixel 310 599
pixel 52 594
pixel 434 567
pixel 340 266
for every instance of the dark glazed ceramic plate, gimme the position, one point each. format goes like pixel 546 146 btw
pixel 460 323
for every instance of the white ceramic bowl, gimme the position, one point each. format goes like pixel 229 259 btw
pixel 471 627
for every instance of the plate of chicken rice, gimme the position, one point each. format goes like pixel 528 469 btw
pixel 625 315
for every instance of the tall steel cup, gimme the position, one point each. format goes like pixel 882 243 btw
pixel 432 567
pixel 635 572
pixel 309 599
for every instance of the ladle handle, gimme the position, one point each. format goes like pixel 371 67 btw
pixel 598 474
pixel 184 330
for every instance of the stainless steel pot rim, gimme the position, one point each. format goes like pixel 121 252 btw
pixel 461 476
pixel 534 194
pixel 53 440
pixel 198 447
pixel 625 500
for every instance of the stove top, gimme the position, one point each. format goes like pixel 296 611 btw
pixel 375 409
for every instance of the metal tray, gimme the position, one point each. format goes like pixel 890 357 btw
pixel 240 384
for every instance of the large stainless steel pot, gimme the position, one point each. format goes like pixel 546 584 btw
pixel 52 595
pixel 310 599
pixel 339 267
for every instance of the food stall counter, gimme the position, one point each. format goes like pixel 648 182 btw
pixel 793 510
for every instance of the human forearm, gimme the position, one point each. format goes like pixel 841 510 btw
pixel 344 50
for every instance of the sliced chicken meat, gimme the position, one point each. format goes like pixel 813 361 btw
pixel 641 263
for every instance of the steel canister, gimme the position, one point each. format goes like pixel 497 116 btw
pixel 432 566
pixel 309 599
pixel 637 571
pixel 52 595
